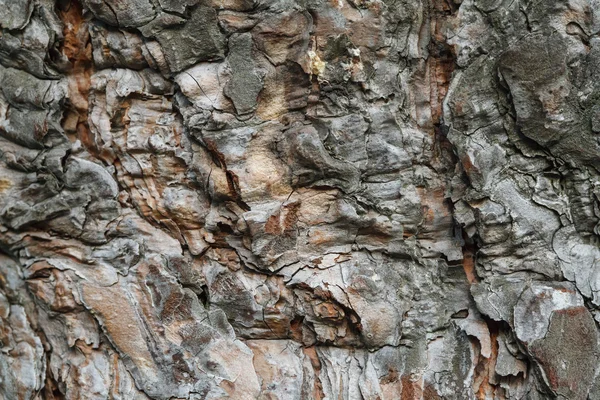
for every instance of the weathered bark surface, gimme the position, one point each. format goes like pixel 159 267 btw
pixel 299 199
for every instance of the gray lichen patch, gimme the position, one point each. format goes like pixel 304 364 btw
pixel 246 82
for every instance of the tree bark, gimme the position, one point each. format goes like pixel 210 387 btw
pixel 299 199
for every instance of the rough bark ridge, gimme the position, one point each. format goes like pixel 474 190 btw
pixel 298 199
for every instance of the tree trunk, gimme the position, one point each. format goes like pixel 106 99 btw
pixel 299 199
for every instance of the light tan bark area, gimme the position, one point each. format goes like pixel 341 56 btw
pixel 299 199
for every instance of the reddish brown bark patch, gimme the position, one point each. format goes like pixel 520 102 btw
pixel 570 369
pixel 77 47
pixel 411 388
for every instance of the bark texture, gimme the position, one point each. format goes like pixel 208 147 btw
pixel 299 199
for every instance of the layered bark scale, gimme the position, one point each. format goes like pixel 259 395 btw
pixel 278 199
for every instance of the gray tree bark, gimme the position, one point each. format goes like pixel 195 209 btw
pixel 299 199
